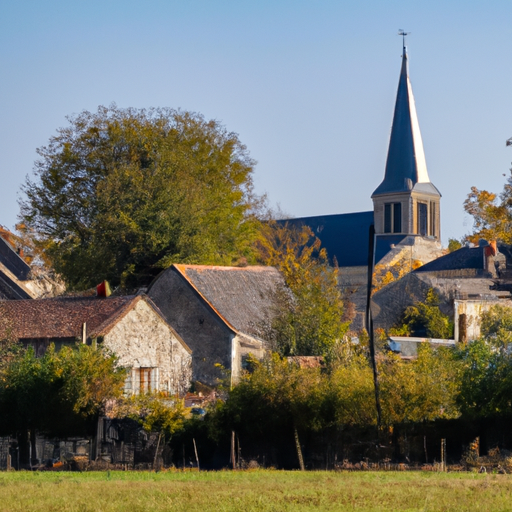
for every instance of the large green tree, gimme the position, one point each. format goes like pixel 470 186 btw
pixel 120 194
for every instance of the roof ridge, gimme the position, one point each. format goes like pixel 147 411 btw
pixel 107 324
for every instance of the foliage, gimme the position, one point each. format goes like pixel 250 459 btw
pixel 492 214
pixel 496 325
pixel 10 348
pixel 487 379
pixel 308 313
pixel 454 244
pixel 120 194
pixel 277 395
pixel 57 393
pixel 154 412
pixel 385 274
pixel 425 319
pixel 421 390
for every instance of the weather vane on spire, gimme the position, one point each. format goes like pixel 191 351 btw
pixel 403 33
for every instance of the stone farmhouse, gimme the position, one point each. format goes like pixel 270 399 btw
pixel 220 313
pixel 132 327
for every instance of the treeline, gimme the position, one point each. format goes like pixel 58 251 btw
pixel 282 412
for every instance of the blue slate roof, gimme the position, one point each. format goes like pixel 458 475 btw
pixel 12 261
pixel 344 235
pixel 463 258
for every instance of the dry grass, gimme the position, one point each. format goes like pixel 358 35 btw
pixel 253 490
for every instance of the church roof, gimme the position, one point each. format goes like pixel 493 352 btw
pixel 345 237
pixel 406 167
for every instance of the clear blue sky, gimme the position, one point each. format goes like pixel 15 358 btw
pixel 308 85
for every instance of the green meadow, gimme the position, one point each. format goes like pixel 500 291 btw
pixel 253 490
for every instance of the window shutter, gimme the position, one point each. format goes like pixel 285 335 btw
pixel 136 381
pixel 154 379
pixel 128 382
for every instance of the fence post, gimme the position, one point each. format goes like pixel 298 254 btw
pixel 233 460
pixel 195 450
pixel 443 454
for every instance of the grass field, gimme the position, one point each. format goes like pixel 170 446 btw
pixel 253 490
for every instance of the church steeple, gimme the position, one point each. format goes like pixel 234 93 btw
pixel 406 189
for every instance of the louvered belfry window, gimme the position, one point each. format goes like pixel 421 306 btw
pixel 392 217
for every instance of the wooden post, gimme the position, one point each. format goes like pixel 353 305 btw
pixel 195 450
pixel 9 465
pixel 233 461
pixel 299 451
pixel 156 451
pixel 443 454
pixel 238 453
pixel 84 333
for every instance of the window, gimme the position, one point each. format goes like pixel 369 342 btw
pixel 422 219
pixel 433 219
pixel 141 380
pixel 392 217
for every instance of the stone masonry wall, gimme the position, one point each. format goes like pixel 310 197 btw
pixel 142 339
pixel 201 329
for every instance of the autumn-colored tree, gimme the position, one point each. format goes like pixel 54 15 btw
pixel 307 317
pixel 492 214
pixel 454 244
pixel 285 399
pixel 154 412
pixel 385 274
pixel 120 194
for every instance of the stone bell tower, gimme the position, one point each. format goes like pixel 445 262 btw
pixel 406 202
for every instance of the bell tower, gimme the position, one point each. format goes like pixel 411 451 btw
pixel 406 202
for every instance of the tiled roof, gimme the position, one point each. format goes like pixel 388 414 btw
pixel 307 361
pixel 242 296
pixel 62 317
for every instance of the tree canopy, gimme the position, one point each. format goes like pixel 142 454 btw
pixel 492 213
pixel 58 394
pixel 120 194
pixel 425 319
pixel 308 317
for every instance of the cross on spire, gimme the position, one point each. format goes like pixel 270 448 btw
pixel 403 33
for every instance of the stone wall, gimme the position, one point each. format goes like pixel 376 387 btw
pixel 142 339
pixel 467 316
pixel 201 328
pixel 243 346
